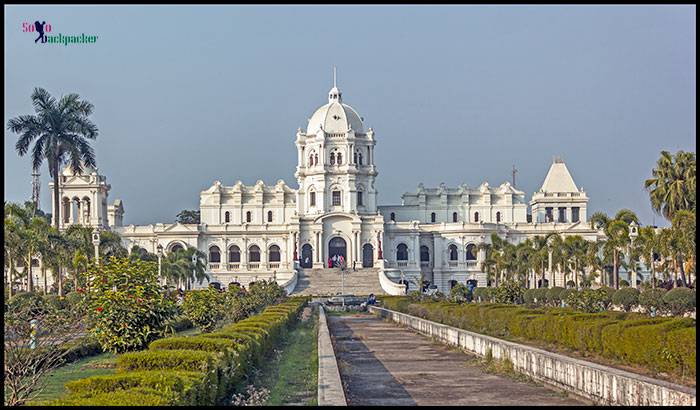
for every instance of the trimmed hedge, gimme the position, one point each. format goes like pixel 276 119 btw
pixel 660 344
pixel 194 370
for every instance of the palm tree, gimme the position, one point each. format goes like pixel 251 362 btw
pixel 80 262
pixel 576 248
pixel 177 266
pixel 683 226
pixel 672 185
pixel 111 245
pixel 60 131
pixel 595 264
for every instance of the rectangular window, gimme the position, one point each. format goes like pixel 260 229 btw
pixel 562 215
pixel 312 199
pixel 336 198
pixel 574 214
pixel 359 199
pixel 548 217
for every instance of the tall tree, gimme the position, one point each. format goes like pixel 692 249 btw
pixel 60 131
pixel 187 216
pixel 672 185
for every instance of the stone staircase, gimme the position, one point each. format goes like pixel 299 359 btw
pixel 328 282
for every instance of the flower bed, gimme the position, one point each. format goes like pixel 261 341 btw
pixel 197 370
pixel 660 344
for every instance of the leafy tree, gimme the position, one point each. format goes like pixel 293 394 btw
pixel 60 131
pixel 126 308
pixel 187 216
pixel 672 185
pixel 205 308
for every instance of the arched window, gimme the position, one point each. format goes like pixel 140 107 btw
pixel 227 217
pixel 35 263
pixel 254 254
pixel 315 159
pixel 176 247
pixel 354 158
pixel 336 198
pixel 432 217
pixel 424 254
pixel 359 199
pixel 234 254
pixel 273 254
pixel 498 217
pixel 402 252
pixel 476 217
pixel 471 252
pixel 248 217
pixel 340 158
pixel 393 217
pixel 359 158
pixel 66 210
pixel 454 216
pixel 214 254
pixel 311 159
pixel 453 252
pixel 312 198
pixel 332 158
pixel 269 216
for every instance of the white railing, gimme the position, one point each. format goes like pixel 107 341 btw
pixel 388 285
pixel 401 264
pixel 425 264
pixel 214 266
pixel 472 264
pixel 452 264
pixel 291 284
pixel 234 266
pixel 255 265
pixel 273 265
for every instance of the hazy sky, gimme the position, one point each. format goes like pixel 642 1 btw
pixel 187 95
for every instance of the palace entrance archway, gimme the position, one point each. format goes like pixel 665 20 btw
pixel 367 256
pixel 307 256
pixel 337 247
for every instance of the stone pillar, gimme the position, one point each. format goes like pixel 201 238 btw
pixel 416 250
pixel 244 254
pixel 72 212
pixel 549 269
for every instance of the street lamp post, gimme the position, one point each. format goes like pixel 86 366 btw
pixel 159 249
pixel 194 265
pixel 633 235
pixel 96 243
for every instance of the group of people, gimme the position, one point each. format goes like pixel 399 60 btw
pixel 338 261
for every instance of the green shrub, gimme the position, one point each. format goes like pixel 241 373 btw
pixel 138 396
pixel 127 308
pixel 605 296
pixel 189 360
pixel 459 293
pixel 205 308
pixel 176 381
pixel 680 300
pixel 554 295
pixel 192 343
pixel 624 283
pixel 483 294
pixel 529 297
pixel 509 292
pixel 653 299
pixel 626 297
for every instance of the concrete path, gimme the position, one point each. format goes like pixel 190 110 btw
pixel 383 364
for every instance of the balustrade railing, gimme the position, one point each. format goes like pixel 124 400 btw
pixel 214 266
pixel 234 266
pixel 402 264
pixel 255 265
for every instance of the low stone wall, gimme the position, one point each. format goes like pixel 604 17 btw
pixel 601 384
pixel 330 388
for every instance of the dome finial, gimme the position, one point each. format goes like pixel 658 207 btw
pixel 334 95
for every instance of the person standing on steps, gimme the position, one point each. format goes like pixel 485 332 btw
pixel 354 269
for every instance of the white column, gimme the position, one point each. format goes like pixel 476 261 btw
pixel 72 212
pixel 416 250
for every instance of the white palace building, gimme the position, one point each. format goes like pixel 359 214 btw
pixel 278 231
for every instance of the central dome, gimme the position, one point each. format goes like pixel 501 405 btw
pixel 335 117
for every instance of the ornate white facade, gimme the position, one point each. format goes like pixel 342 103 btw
pixel 263 231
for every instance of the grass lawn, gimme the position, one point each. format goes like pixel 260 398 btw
pixel 86 367
pixel 291 375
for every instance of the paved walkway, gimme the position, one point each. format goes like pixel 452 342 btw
pixel 383 364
